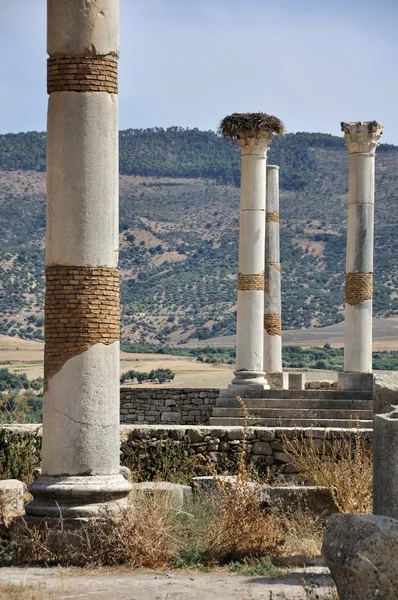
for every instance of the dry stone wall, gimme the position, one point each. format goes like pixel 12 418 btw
pixel 166 405
pixel 223 445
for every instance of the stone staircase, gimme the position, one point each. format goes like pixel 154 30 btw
pixel 294 408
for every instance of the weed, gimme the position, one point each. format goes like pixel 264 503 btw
pixel 142 538
pixel 164 460
pixel 262 568
pixel 19 454
pixel 303 534
pixel 243 529
pixel 343 465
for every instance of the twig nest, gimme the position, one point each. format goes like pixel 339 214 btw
pixel 240 124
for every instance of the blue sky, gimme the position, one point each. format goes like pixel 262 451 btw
pixel 312 63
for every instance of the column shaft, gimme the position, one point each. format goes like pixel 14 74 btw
pixel 80 455
pixel 361 139
pixel 250 309
pixel 272 277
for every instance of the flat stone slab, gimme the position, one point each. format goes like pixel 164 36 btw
pixel 169 585
pixel 313 499
pixel 174 493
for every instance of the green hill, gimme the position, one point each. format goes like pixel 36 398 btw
pixel 179 231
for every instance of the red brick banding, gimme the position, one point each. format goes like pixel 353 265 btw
pixel 358 287
pixel 82 74
pixel 273 324
pixel 272 217
pixel 81 309
pixel 251 282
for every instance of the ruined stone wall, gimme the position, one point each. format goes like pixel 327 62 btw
pixel 166 405
pixel 223 444
pixel 144 447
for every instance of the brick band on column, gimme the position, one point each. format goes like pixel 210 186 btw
pixel 358 288
pixel 82 74
pixel 273 324
pixel 276 265
pixel 81 309
pixel 251 282
pixel 272 217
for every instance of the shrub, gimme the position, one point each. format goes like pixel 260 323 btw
pixel 344 465
pixel 244 529
pixel 142 538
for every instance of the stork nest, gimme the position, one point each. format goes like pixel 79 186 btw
pixel 238 124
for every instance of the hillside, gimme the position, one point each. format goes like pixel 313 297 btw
pixel 179 232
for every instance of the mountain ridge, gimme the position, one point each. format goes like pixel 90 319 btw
pixel 179 232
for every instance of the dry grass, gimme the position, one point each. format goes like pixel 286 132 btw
pixel 142 538
pixel 22 592
pixel 343 465
pixel 237 124
pixel 243 529
pixel 303 535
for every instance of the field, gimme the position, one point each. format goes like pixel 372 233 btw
pixel 385 336
pixel 26 356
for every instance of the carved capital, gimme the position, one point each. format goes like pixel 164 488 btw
pixel 362 137
pixel 254 144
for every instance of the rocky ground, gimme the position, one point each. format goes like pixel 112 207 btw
pixel 61 584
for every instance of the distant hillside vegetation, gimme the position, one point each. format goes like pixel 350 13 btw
pixel 179 208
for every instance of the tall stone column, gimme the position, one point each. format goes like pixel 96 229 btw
pixel 272 278
pixel 362 140
pixel 254 133
pixel 80 456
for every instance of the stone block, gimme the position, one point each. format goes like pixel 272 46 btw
pixel 361 382
pixel 278 381
pixel 385 390
pixel 12 494
pixel 296 381
pixel 170 417
pixel 267 436
pixel 385 472
pixel 361 552
pixel 315 500
pixel 197 436
pixel 282 457
pixel 174 494
pixel 262 448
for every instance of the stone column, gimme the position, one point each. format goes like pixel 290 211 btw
pixel 272 283
pixel 80 457
pixel 254 133
pixel 362 140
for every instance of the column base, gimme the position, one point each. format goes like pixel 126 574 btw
pixel 278 381
pixel 250 380
pixel 362 382
pixel 78 497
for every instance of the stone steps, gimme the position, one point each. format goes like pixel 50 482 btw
pixel 296 413
pixel 299 403
pixel 298 394
pixel 296 423
pixel 295 408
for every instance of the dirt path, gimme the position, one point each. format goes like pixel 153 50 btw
pixel 60 584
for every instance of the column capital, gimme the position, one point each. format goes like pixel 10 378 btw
pixel 362 137
pixel 254 144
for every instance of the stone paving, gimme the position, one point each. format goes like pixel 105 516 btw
pixel 61 584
